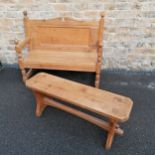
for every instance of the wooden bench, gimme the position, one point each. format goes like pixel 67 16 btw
pixel 61 44
pixel 115 107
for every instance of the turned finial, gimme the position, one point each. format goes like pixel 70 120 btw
pixel 16 41
pixel 25 13
pixel 63 19
pixel 102 14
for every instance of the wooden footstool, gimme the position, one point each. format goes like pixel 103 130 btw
pixel 115 107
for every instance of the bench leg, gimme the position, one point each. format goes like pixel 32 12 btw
pixel 40 104
pixel 111 134
pixel 26 75
pixel 97 80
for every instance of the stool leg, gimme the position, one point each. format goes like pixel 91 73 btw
pixel 111 134
pixel 40 104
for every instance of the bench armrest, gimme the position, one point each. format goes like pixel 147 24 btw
pixel 100 45
pixel 21 44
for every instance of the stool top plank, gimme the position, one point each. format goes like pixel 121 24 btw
pixel 102 102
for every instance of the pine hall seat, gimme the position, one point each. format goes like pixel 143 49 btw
pixel 61 44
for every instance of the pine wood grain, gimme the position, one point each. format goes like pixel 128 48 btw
pixel 99 101
pixel 115 107
pixel 46 59
pixel 59 35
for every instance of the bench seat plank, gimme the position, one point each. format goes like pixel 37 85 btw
pixel 47 59
pixel 102 102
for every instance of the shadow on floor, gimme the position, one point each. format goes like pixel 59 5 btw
pixel 59 133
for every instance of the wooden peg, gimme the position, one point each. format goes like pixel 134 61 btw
pixel 16 41
pixel 25 14
pixel 102 14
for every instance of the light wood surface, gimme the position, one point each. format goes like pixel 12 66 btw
pixel 115 107
pixel 78 39
pixel 46 59
pixel 101 102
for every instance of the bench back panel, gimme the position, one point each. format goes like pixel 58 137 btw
pixel 65 34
